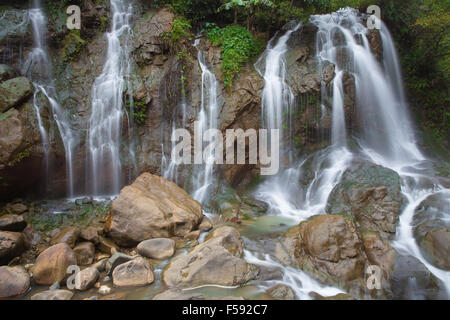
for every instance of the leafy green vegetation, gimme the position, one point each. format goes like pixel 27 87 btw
pixel 73 45
pixel 80 215
pixel 422 32
pixel 238 47
pixel 5 115
pixel 138 112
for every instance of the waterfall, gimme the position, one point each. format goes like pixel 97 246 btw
pixel 282 192
pixel 38 69
pixel 105 123
pixel 207 119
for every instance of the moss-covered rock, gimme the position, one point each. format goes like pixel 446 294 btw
pixel 371 194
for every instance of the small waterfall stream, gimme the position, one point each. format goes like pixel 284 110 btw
pixel 208 119
pixel 38 69
pixel 105 125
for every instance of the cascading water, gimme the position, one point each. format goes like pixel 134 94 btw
pixel 105 124
pixel 208 119
pixel 39 70
pixel 386 136
pixel 282 192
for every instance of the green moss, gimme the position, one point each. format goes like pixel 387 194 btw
pixel 5 115
pixel 73 45
pixel 139 111
pixel 22 155
pixel 238 47
pixel 81 215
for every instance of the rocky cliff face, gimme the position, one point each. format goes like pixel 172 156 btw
pixel 159 83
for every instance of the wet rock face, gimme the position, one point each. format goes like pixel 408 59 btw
pixel 152 207
pixel 14 92
pixel 329 245
pixel 412 280
pixel 371 194
pixel 432 230
pixel 220 253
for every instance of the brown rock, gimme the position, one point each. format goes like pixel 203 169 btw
pixel 12 222
pixel 215 261
pixel 159 248
pixel 53 295
pixel 85 253
pixel 51 265
pixel 205 225
pixel 152 207
pixel 18 208
pixel 90 234
pixel 12 244
pixel 107 246
pixel 14 281
pixel 134 273
pixel 330 247
pixel 86 278
pixel 69 236
pixel 193 235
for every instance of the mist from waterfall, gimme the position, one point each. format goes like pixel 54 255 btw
pixel 104 175
pixel 38 69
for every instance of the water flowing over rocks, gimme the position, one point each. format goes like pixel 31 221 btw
pixel 432 230
pixel 329 247
pixel 152 207
pixel 221 252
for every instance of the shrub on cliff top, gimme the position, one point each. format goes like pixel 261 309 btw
pixel 238 47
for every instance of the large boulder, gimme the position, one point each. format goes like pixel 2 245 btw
pixel 51 265
pixel 215 261
pixel 14 281
pixel 432 229
pixel 371 194
pixel 160 248
pixel 13 92
pixel 134 273
pixel 330 248
pixel 12 244
pixel 152 207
